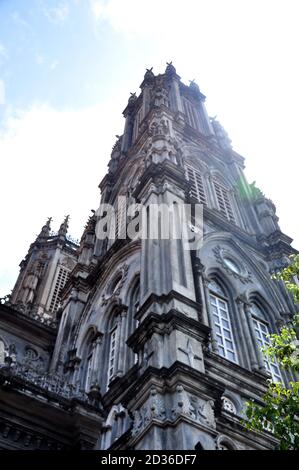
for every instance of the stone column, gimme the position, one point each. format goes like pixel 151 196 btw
pixel 211 191
pixel 125 141
pixel 241 302
pixel 176 92
pixel 198 275
pixel 214 343
pixel 76 371
pixel 96 354
pixel 146 100
pixel 259 355
pixel 121 343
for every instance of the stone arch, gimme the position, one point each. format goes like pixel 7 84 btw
pixel 225 443
pixel 269 312
pixel 257 271
pixel 221 178
pixel 3 351
pixel 221 278
pixel 85 353
pixel 198 446
pixel 111 322
pixel 87 333
pixel 114 426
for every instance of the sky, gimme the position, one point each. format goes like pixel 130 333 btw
pixel 67 68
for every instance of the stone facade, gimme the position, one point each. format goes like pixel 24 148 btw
pixel 138 343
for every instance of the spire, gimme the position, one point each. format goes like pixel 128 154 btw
pixel 64 226
pixel 90 225
pixel 87 240
pixel 45 231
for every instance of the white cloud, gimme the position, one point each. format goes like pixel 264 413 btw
pixel 2 92
pixel 241 54
pixel 53 162
pixel 57 14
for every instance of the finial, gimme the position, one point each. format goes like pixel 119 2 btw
pixel 90 224
pixel 45 231
pixel 170 69
pixel 64 226
pixel 132 98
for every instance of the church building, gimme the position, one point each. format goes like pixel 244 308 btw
pixel 127 342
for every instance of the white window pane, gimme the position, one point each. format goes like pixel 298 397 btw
pixel 222 328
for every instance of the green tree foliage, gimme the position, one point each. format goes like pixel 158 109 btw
pixel 280 412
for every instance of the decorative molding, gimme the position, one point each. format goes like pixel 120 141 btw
pixel 222 256
pixel 228 405
pixel 109 296
pixel 183 403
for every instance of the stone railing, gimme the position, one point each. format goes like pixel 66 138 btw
pixel 51 383
pixel 30 311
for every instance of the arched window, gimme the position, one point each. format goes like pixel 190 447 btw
pixel 262 336
pixel 112 359
pixel 2 352
pixel 134 299
pixel 88 368
pixel 225 443
pixel 87 365
pixel 224 201
pixel 198 446
pixel 197 186
pixel 222 322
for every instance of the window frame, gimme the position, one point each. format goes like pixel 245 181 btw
pixel 262 341
pixel 224 201
pixel 197 190
pixel 229 353
pixel 113 330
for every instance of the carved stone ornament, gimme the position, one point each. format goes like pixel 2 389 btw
pixel 184 405
pixel 228 405
pixel 115 284
pixel 153 409
pixel 225 443
pixel 232 265
pixel 68 263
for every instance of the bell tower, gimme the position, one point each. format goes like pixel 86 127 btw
pixel 44 272
pixel 162 308
pixel 168 335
